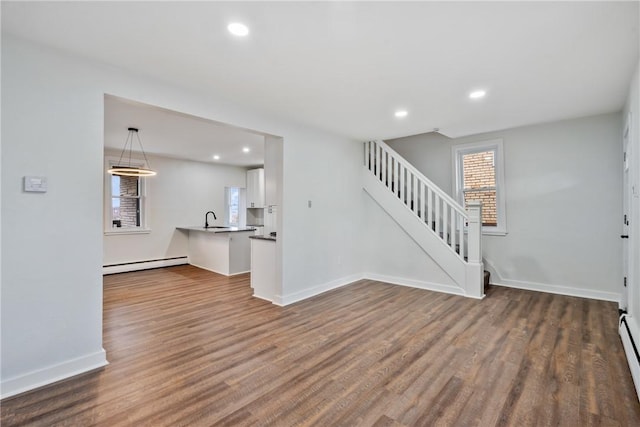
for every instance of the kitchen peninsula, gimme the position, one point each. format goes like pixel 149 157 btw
pixel 223 250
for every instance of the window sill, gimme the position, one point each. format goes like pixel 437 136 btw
pixel 494 233
pixel 127 231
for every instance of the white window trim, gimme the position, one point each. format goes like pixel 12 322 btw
pixel 457 151
pixel 108 229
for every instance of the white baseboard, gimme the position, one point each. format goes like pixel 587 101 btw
pixel 558 289
pixel 626 331
pixel 51 374
pixel 143 265
pixel 283 300
pixel 572 291
pixel 216 271
pixel 420 284
pixel 316 290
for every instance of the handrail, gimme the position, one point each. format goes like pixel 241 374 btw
pixel 455 205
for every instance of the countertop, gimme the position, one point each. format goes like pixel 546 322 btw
pixel 263 237
pixel 216 229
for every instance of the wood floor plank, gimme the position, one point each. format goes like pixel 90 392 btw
pixel 188 347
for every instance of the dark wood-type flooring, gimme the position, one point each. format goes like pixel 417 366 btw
pixel 191 348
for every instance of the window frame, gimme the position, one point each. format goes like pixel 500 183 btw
pixel 108 207
pixel 497 146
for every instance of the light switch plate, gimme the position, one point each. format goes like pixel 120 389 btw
pixel 35 184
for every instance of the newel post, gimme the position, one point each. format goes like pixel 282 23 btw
pixel 475 268
pixel 474 210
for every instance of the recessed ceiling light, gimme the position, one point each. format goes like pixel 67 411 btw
pixel 246 149
pixel 238 29
pixel 401 113
pixel 477 94
pixel 216 157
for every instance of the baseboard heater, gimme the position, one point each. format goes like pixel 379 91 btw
pixel 143 265
pixel 631 351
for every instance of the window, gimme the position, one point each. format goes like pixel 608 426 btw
pixel 479 177
pixel 235 207
pixel 124 203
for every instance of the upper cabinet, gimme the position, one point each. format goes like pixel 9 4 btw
pixel 255 188
pixel 272 170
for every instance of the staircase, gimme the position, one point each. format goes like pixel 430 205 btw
pixel 446 231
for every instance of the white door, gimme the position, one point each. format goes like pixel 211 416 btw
pixel 626 210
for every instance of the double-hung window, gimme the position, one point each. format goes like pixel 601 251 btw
pixel 125 203
pixel 235 206
pixel 479 176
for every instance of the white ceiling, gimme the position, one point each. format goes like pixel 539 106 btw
pixel 347 66
pixel 172 134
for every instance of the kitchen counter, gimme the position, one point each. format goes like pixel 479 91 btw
pixel 216 229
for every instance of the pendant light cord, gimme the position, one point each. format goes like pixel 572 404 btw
pixel 129 142
pixel 142 149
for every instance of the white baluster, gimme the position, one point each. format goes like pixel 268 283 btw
pixel 429 207
pixel 387 166
pixel 461 234
pixel 396 189
pixel 445 217
pixel 415 195
pixel 381 164
pixel 410 189
pixel 401 184
pixel 454 216
pixel 437 213
pixel 423 202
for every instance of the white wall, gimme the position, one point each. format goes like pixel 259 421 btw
pixel 179 195
pixel 51 242
pixel 52 108
pixel 391 255
pixel 563 203
pixel 322 246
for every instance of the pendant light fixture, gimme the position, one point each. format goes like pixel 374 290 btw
pixel 126 168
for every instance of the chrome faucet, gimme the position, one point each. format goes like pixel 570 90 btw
pixel 206 224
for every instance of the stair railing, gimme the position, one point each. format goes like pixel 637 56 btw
pixel 436 209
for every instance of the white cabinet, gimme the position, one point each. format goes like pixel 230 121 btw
pixel 272 169
pixel 255 188
pixel 263 269
pixel 223 253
